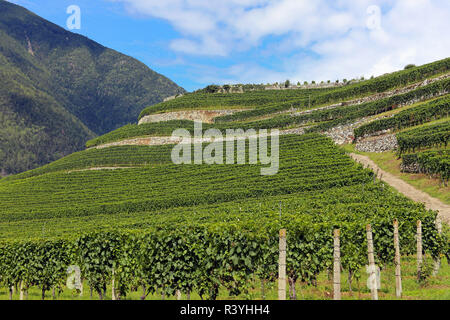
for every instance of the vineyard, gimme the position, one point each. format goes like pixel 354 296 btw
pixel 423 113
pixel 309 162
pixel 430 162
pixel 199 237
pixel 432 135
pixel 202 260
pixel 133 220
pixel 249 99
pixel 326 119
pixel 269 102
pixel 347 114
pixel 114 157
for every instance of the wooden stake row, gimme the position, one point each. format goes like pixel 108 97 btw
pixel 336 264
pixel 398 273
pixel 372 269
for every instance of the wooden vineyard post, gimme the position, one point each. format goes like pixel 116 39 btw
pixel 437 261
pixel 372 275
pixel 282 266
pixel 419 250
pixel 113 288
pixel 337 266
pixel 21 290
pixel 398 274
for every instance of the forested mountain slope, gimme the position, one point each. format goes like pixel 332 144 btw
pixel 59 89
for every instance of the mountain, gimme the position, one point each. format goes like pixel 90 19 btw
pixel 60 89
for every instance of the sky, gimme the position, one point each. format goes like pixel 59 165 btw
pixel 201 42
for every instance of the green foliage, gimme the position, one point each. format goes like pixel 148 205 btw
pixel 346 114
pixel 434 135
pixel 202 259
pixel 258 99
pixel 212 88
pixel 175 232
pixel 170 185
pixel 122 157
pixel 364 88
pixel 430 162
pixel 35 263
pixel 425 112
pixel 98 256
pixel 330 117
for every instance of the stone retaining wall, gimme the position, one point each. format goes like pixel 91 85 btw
pixel 206 116
pixel 383 143
pixel 156 141
pixel 344 133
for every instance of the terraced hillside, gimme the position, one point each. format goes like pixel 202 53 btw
pixel 122 209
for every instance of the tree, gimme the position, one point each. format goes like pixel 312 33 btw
pixel 287 84
pixel 410 66
pixel 212 88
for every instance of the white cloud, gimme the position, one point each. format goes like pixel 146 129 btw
pixel 206 46
pixel 334 32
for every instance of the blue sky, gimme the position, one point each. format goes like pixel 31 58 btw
pixel 198 42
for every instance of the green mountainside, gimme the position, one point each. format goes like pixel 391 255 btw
pixel 59 89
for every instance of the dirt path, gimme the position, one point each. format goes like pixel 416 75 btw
pixel 406 189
